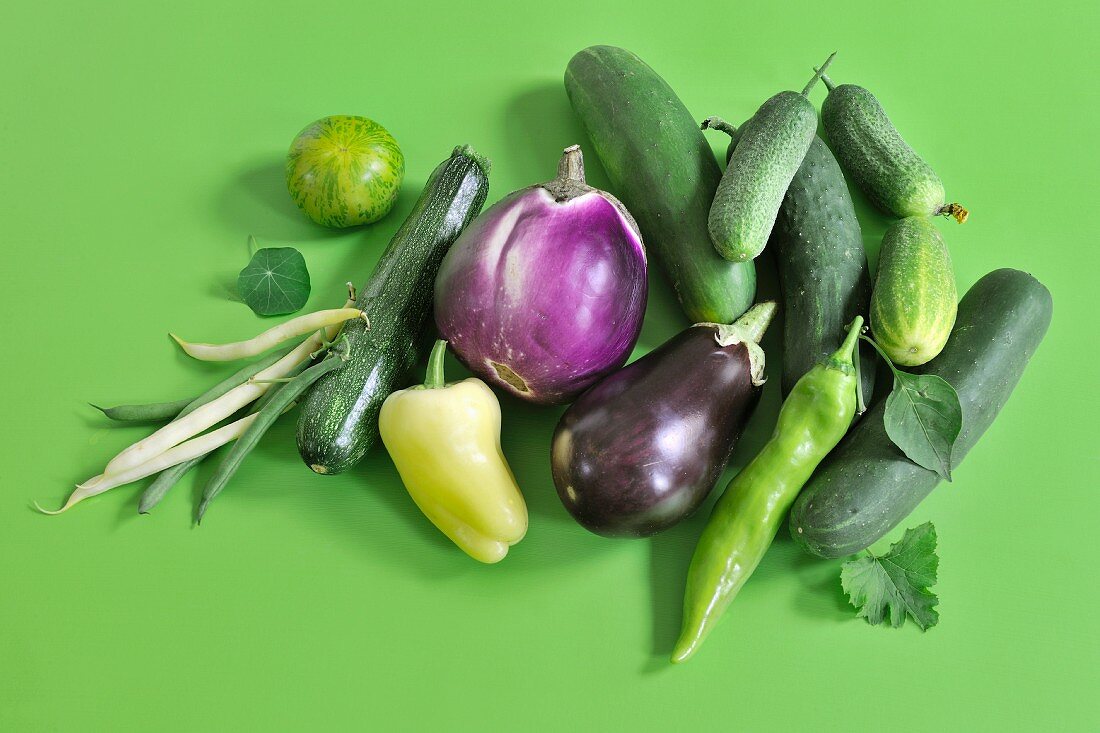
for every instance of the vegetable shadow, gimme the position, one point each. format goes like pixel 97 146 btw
pixel 539 125
pixel 254 200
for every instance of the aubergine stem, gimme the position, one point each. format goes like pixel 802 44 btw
pixel 569 182
pixel 818 74
pixel 748 330
pixel 756 320
pixel 571 165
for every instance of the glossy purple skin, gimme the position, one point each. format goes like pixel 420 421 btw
pixel 640 451
pixel 553 291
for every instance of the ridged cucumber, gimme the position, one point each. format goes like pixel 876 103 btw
pixel 914 302
pixel 871 150
pixel 339 418
pixel 867 486
pixel 768 154
pixel 662 168
pixel 819 257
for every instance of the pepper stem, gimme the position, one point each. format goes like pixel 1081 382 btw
pixel 571 165
pixel 845 354
pixel 818 74
pixel 433 379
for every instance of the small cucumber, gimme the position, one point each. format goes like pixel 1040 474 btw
pixel 662 168
pixel 871 150
pixel 819 257
pixel 339 418
pixel 768 154
pixel 914 302
pixel 866 486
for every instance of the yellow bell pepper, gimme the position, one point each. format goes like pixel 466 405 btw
pixel 445 441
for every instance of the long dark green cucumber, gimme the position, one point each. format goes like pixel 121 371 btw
pixel 914 302
pixel 818 248
pixel 339 415
pixel 663 170
pixel 867 486
pixel 871 150
pixel 767 156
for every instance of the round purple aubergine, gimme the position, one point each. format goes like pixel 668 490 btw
pixel 544 293
pixel 643 448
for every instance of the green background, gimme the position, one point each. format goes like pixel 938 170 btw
pixel 144 142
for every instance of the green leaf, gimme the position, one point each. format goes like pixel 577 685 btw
pixel 923 417
pixel 896 582
pixel 275 281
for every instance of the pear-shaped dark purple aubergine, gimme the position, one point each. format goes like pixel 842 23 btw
pixel 641 449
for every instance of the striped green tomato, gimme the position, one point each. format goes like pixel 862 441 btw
pixel 344 170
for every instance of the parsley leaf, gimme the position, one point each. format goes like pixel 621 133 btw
pixel 275 281
pixel 896 582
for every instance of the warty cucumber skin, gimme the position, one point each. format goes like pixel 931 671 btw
pixel 663 170
pixel 867 486
pixel 914 302
pixel 822 268
pixel 871 150
pixel 768 154
pixel 338 423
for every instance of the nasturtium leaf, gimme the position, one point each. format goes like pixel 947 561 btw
pixel 275 281
pixel 923 418
pixel 896 582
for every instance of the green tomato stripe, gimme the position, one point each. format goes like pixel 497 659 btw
pixel 345 170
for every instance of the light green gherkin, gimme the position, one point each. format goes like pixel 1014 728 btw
pixel 344 170
pixel 914 302
pixel 873 153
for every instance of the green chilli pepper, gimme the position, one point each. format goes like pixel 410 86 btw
pixel 813 419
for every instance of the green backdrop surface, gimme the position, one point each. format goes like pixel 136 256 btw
pixel 143 142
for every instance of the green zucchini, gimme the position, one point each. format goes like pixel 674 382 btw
pixel 867 486
pixel 663 170
pixel 339 417
pixel 767 155
pixel 819 257
pixel 914 302
pixel 871 150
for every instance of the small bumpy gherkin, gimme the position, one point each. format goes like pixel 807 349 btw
pixel 871 150
pixel 762 166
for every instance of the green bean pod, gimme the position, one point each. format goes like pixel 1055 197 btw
pixel 276 405
pixel 813 419
pixel 164 481
pixel 236 379
pixel 770 150
pixel 169 477
pixel 150 412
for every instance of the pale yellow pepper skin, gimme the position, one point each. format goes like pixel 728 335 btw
pixel 445 441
